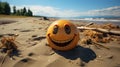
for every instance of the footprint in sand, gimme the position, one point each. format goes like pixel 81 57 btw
pixel 25 62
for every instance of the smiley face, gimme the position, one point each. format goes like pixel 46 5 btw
pixel 62 35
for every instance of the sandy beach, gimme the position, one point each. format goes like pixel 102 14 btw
pixel 34 51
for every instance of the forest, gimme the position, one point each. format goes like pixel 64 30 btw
pixel 5 9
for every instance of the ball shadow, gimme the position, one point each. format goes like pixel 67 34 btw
pixel 85 54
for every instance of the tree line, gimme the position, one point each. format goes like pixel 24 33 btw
pixel 5 9
pixel 22 12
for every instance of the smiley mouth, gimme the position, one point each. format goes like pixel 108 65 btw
pixel 62 43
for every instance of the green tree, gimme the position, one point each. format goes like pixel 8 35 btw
pixel 21 12
pixel 4 8
pixel 24 10
pixel 26 14
pixel 0 8
pixel 7 9
pixel 14 9
pixel 18 12
pixel 30 12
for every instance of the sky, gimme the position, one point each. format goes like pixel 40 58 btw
pixel 69 8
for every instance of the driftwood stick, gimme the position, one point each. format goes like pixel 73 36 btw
pixel 101 45
pixel 107 31
pixel 91 23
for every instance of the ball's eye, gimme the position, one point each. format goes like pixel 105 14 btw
pixel 55 29
pixel 67 29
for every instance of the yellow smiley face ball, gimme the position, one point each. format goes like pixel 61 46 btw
pixel 62 35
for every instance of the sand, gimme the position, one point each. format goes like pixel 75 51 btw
pixel 34 52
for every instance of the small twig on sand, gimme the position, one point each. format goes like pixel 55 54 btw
pixel 3 60
pixel 101 45
pixel 91 23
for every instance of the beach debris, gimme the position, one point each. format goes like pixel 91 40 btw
pixel 110 26
pixel 31 54
pixel 86 41
pixel 98 44
pixel 91 23
pixel 94 37
pixel 38 38
pixel 8 45
pixel 102 30
pixel 107 31
pixel 44 18
pixel 8 42
pixel 26 30
pixel 97 36
pixel 89 41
